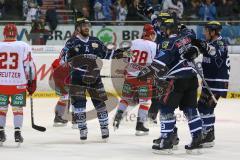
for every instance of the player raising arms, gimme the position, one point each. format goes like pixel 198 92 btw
pixel 136 91
pixel 17 74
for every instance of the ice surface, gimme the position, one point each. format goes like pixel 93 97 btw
pixel 64 143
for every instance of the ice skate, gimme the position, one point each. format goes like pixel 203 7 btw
pixel 83 134
pixel 59 122
pixel 18 137
pixel 2 137
pixel 208 139
pixel 141 130
pixel 117 119
pixel 105 134
pixel 195 146
pixel 175 140
pixel 163 145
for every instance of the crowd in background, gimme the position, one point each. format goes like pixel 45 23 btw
pixel 122 10
pixel 185 9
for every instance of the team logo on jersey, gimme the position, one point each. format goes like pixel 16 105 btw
pixel 165 44
pixel 94 45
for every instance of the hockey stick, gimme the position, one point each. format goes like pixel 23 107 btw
pixel 34 126
pixel 204 82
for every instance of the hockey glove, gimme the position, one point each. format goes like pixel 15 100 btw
pixel 31 86
pixel 191 53
pixel 121 53
pixel 157 69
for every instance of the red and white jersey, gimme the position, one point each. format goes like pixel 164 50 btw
pixel 15 64
pixel 143 53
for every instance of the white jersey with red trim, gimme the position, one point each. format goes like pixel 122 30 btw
pixel 143 53
pixel 15 63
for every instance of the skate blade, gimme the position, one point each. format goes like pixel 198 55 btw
pixel 175 147
pixel 141 133
pixel 115 128
pixel 194 151
pixel 18 144
pixel 208 145
pixel 163 151
pixel 74 126
pixel 59 124
pixel 105 140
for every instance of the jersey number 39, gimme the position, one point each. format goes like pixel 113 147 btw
pixel 8 61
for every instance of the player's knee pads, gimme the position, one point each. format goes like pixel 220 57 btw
pixel 98 103
pixel 17 110
pixel 190 113
pixel 145 102
pixel 78 102
pixel 3 110
pixel 203 109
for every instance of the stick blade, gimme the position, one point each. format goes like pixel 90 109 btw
pixel 39 128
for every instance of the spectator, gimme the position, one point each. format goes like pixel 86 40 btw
pixel 133 11
pixel 104 9
pixel 51 18
pixel 228 9
pixel 38 33
pixel 121 11
pixel 98 12
pixel 193 7
pixel 208 11
pixel 2 7
pixel 33 12
pixel 174 6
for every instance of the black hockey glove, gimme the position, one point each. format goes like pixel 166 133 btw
pixel 121 53
pixel 155 69
pixel 202 45
pixel 191 53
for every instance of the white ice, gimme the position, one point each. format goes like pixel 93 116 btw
pixel 64 143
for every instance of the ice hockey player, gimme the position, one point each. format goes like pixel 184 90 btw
pixel 135 91
pixel 61 105
pixel 181 91
pixel 153 110
pixel 216 68
pixel 17 74
pixel 81 51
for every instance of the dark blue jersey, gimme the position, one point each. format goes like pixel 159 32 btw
pixel 171 56
pixel 216 67
pixel 92 46
pixel 83 56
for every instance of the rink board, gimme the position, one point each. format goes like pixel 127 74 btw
pixel 44 56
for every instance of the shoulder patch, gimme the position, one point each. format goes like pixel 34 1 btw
pixel 165 44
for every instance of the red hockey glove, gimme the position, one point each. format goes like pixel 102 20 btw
pixel 31 86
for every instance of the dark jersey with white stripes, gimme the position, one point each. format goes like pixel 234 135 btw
pixel 171 56
pixel 83 54
pixel 92 46
pixel 216 67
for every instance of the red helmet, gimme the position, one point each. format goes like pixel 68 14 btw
pixel 148 30
pixel 10 30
